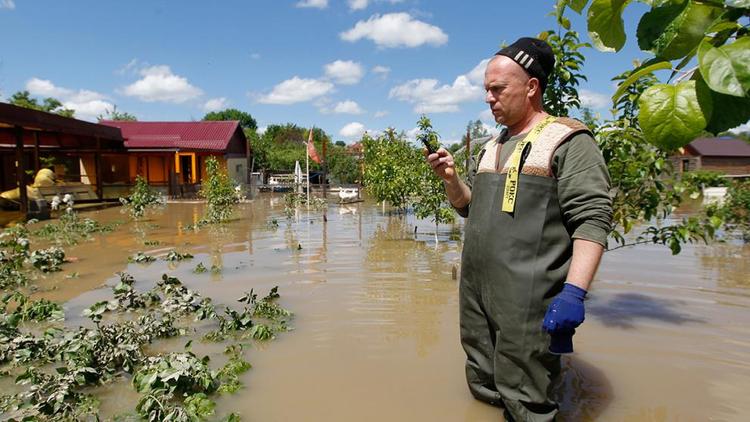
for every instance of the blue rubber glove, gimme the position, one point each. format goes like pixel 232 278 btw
pixel 564 314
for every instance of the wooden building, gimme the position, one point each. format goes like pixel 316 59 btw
pixel 31 139
pixel 172 155
pixel 726 155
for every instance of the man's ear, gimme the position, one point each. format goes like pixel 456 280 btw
pixel 534 86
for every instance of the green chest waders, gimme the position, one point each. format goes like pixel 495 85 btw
pixel 513 264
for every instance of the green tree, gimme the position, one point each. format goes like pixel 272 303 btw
pixel 49 104
pixel 116 115
pixel 561 94
pixel 342 166
pixel 246 120
pixel 713 95
pixel 391 168
pixel 430 199
pixel 219 192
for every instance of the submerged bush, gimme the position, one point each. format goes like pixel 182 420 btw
pixel 141 198
pixel 219 192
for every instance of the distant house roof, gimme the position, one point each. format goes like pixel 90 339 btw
pixel 719 147
pixel 203 135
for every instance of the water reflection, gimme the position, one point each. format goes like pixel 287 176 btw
pixel 626 310
pixel 729 264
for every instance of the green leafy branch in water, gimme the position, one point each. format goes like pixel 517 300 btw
pixel 430 200
pixel 70 228
pixel 141 258
pixel 275 318
pixel 219 192
pixel 141 199
pixel 173 256
pixel 31 310
pixel 175 386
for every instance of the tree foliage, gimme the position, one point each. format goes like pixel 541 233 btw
pixel 711 97
pixel 116 115
pixel 561 94
pixel 281 146
pixel 219 192
pixel 49 104
pixel 430 200
pixel 392 171
pixel 246 120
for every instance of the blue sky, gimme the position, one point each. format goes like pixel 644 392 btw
pixel 342 65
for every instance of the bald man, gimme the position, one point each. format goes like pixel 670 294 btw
pixel 538 214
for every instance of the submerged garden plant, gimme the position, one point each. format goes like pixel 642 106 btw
pixel 141 199
pixel 219 192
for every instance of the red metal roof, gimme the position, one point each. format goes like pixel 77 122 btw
pixel 721 147
pixel 203 135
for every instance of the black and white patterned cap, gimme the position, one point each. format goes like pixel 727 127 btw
pixel 533 55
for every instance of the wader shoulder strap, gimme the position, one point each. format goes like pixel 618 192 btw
pixel 538 162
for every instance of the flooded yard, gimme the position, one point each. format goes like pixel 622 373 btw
pixel 375 336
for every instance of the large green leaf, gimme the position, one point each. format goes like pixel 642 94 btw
pixel 728 111
pixel 646 68
pixel 671 116
pixel 674 30
pixel 726 69
pixel 606 28
pixel 577 5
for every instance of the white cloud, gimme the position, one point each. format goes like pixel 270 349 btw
pixel 261 130
pixel 296 90
pixel 430 97
pixel 158 83
pixel 380 113
pixel 255 56
pixel 486 115
pixel 412 133
pixel 383 71
pixel 319 4
pixel 358 4
pixel 344 72
pixel 7 4
pixel 215 104
pixel 352 130
pixel 128 68
pixel 593 99
pixel 395 30
pixel 86 104
pixel 476 75
pixel 741 128
pixel 46 88
pixel 347 107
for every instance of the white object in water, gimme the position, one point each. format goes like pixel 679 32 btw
pixel 348 194
pixel 714 195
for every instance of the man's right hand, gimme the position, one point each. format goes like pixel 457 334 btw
pixel 442 164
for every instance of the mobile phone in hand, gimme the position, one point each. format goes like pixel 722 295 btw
pixel 430 142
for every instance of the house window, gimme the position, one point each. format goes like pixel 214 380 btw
pixel 686 164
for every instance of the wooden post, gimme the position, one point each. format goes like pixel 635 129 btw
pixel 98 169
pixel 21 172
pixel 36 152
pixel 325 171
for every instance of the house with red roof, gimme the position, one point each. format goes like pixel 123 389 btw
pixel 730 156
pixel 173 154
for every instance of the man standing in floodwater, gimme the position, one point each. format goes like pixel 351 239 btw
pixel 538 214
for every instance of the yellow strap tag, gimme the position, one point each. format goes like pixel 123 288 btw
pixel 511 180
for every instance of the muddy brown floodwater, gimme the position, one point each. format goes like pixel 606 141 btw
pixel 666 338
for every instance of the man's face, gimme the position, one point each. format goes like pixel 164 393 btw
pixel 507 90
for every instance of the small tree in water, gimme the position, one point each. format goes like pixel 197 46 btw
pixel 141 198
pixel 219 192
pixel 431 200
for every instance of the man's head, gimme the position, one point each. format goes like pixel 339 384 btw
pixel 515 79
